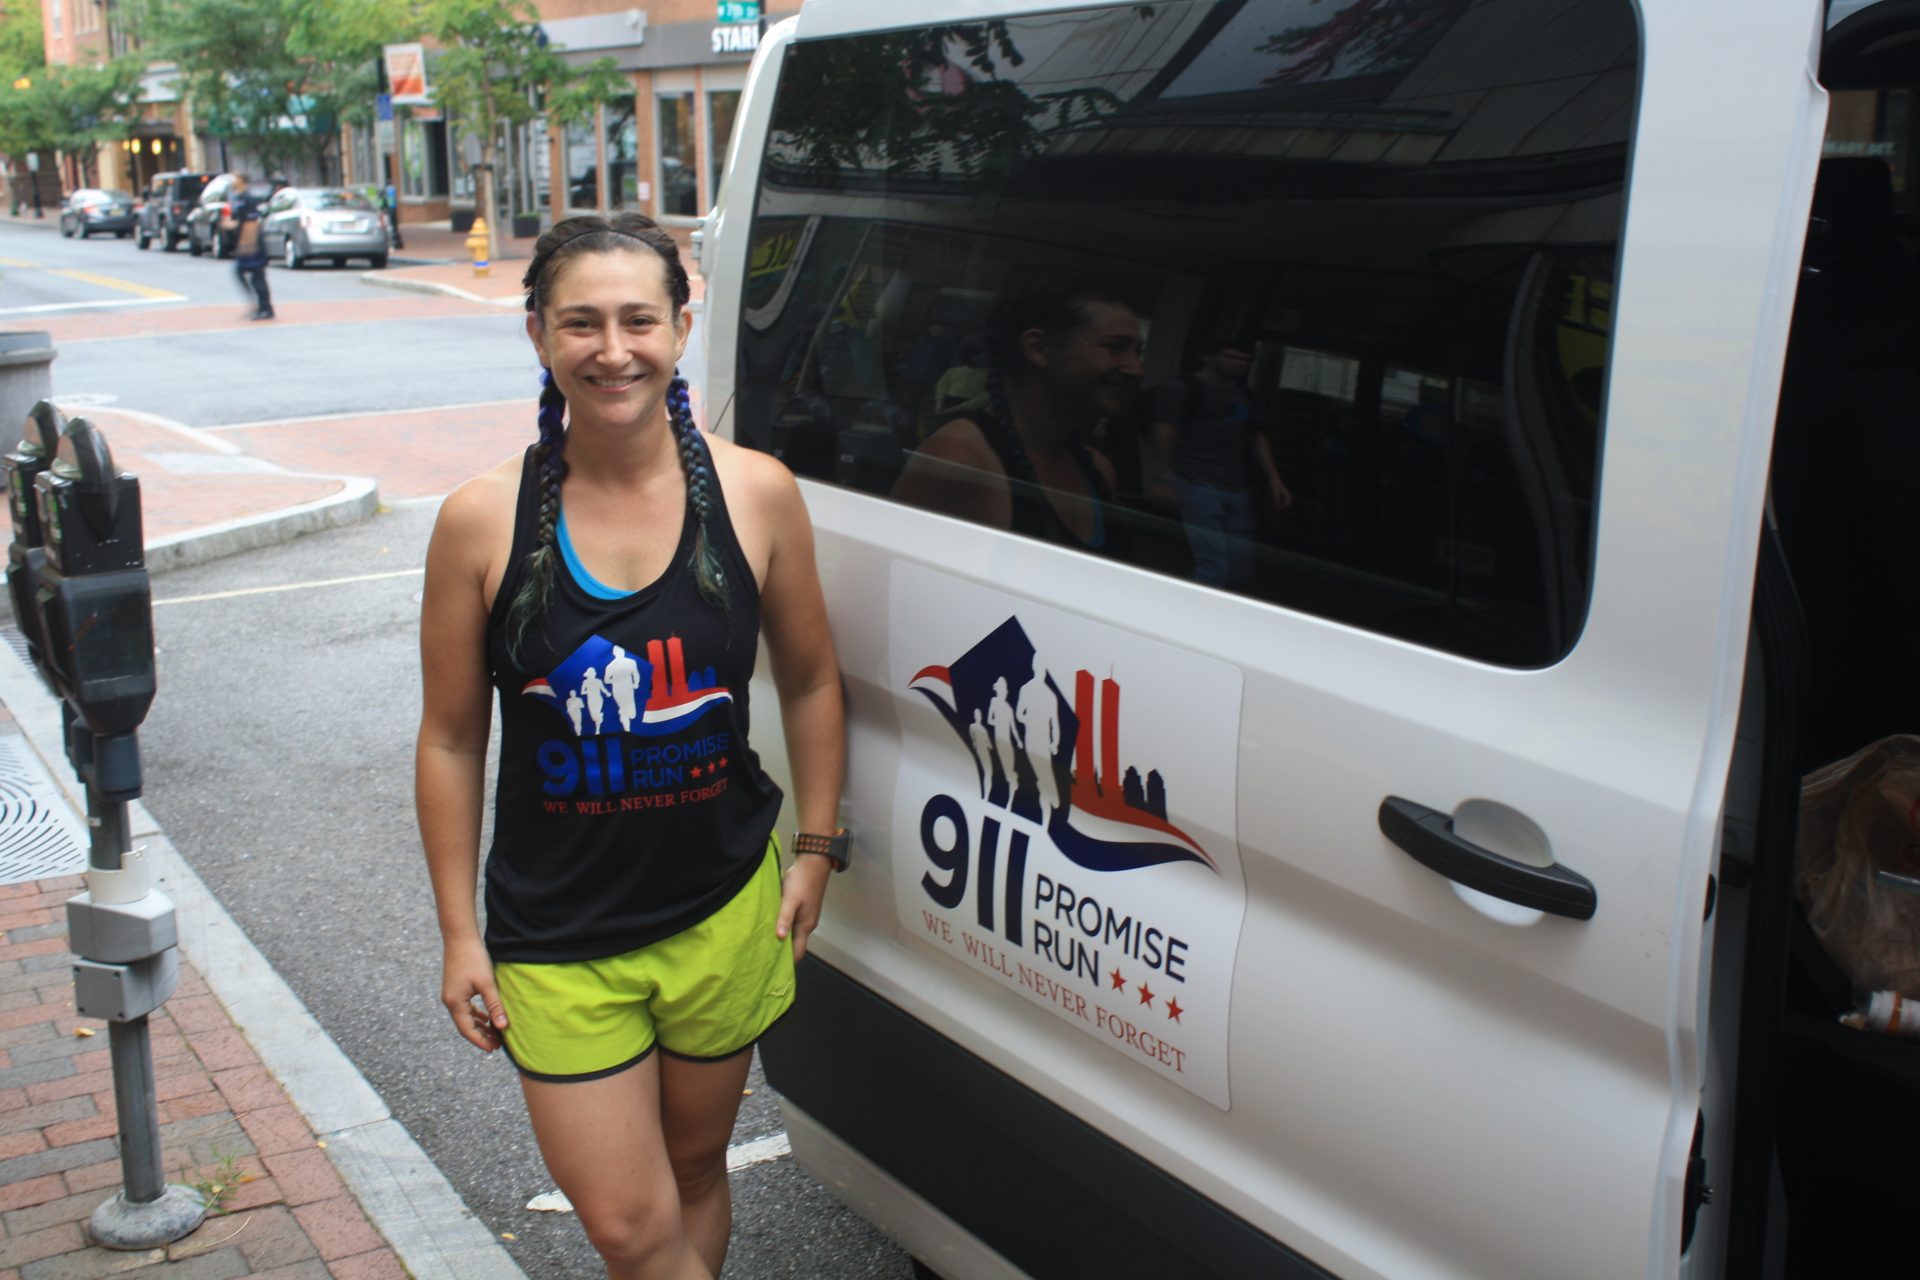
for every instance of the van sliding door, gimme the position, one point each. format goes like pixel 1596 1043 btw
pixel 1288 750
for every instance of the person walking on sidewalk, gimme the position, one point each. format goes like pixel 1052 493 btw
pixel 392 202
pixel 633 888
pixel 249 251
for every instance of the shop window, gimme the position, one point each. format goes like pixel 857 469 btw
pixel 583 166
pixel 1372 272
pixel 678 180
pixel 462 184
pixel 722 106
pixel 623 173
pixel 539 165
pixel 424 158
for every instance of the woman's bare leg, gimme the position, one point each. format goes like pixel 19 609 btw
pixel 699 1101
pixel 603 1144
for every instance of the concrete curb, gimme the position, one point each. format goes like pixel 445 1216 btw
pixel 407 1198
pixel 380 280
pixel 359 499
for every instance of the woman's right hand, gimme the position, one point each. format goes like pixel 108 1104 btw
pixel 467 975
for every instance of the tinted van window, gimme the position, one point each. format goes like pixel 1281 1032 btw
pixel 1365 253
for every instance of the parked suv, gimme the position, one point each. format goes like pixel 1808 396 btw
pixel 203 223
pixel 162 213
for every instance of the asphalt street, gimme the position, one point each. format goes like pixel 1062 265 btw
pixel 278 753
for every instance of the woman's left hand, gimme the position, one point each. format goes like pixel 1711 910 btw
pixel 801 891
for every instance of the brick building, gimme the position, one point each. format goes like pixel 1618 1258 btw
pixel 88 33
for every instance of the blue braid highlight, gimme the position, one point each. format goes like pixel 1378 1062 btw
pixel 553 410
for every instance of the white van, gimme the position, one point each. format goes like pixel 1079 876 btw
pixel 1411 896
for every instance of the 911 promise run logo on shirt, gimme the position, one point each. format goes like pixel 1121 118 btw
pixel 629 748
pixel 1070 787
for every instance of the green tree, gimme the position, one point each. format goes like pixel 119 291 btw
pixel 944 104
pixel 23 45
pixel 494 69
pixel 73 110
pixel 276 77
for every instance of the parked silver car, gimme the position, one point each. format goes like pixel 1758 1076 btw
pixel 304 223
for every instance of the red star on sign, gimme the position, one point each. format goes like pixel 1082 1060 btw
pixel 1119 983
pixel 723 762
pixel 1146 994
pixel 696 771
pixel 1174 1010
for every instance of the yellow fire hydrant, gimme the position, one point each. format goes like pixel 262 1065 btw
pixel 477 246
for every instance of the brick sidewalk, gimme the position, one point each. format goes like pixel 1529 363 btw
pixel 286 1216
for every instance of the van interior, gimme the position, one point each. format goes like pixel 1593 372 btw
pixel 1830 1115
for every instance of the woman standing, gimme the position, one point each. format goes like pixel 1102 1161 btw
pixel 634 897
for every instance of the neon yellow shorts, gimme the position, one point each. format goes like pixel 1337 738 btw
pixel 705 993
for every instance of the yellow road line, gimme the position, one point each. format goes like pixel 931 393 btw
pixel 290 586
pixel 125 286
pixel 17 262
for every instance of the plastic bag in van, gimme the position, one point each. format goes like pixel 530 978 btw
pixel 1859 817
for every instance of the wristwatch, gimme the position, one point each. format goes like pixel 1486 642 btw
pixel 834 848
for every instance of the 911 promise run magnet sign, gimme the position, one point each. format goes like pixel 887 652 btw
pixel 1071 788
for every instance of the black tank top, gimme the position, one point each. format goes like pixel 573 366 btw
pixel 629 805
pixel 1033 514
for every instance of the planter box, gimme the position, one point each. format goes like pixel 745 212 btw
pixel 526 226
pixel 462 220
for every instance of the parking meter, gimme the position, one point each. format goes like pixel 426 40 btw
pixel 95 612
pixel 25 556
pixel 95 603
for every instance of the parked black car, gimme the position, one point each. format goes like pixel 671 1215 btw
pixel 162 215
pixel 209 211
pixel 92 209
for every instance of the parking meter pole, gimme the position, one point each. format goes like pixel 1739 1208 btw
pixel 93 608
pixel 134 1095
pixel 131 1043
pixel 108 821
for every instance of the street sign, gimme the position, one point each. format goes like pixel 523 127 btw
pixel 739 10
pixel 407 72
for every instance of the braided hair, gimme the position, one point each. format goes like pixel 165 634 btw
pixel 629 232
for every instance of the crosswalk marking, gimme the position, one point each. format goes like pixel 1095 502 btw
pixel 288 586
pixel 744 1155
pixel 89 306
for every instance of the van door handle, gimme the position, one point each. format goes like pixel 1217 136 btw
pixel 1428 835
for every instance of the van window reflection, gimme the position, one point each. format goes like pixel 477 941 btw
pixel 1059 362
pixel 1204 432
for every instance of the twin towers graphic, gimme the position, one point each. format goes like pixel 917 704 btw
pixel 598 689
pixel 1054 762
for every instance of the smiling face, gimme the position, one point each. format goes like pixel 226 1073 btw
pixel 610 334
pixel 1095 365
